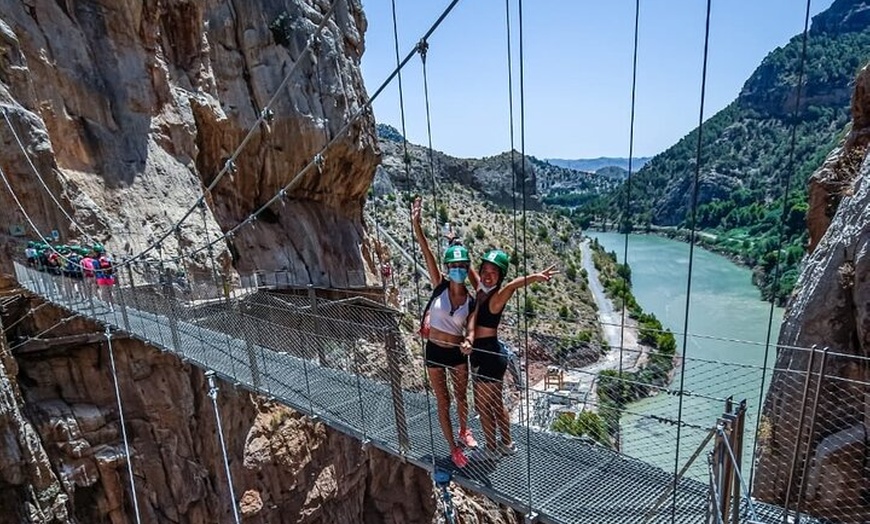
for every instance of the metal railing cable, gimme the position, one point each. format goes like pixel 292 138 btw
pixel 784 215
pixel 692 219
pixel 123 424
pixel 423 50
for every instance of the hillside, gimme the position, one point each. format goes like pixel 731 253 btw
pixel 746 149
pixel 474 197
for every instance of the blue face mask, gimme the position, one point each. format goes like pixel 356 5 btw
pixel 457 274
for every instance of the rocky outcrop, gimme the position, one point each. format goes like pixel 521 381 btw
pixel 831 309
pixel 127 110
pixel 493 178
pixel 836 177
pixel 69 463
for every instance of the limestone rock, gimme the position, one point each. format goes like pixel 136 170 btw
pixel 830 309
pixel 127 111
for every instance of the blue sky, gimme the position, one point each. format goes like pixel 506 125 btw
pixel 578 56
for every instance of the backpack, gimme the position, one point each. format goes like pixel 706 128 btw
pixel 424 318
pixel 105 266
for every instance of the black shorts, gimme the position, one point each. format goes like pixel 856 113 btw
pixel 438 356
pixel 488 360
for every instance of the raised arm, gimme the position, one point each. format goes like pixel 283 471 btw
pixel 431 264
pixel 504 294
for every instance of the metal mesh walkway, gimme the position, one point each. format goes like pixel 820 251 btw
pixel 553 477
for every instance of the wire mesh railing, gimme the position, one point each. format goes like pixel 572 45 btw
pixel 572 445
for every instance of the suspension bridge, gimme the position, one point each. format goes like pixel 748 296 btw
pixel 310 366
pixel 353 372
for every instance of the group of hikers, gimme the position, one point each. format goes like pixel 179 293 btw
pixel 88 263
pixel 461 328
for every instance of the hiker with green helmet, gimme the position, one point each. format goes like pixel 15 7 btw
pixel 450 318
pixel 489 359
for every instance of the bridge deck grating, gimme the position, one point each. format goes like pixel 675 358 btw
pixel 572 480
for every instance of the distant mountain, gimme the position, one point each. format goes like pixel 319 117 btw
pixel 747 147
pixel 594 164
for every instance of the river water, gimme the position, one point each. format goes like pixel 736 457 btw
pixel 724 350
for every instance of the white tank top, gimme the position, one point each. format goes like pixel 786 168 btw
pixel 441 317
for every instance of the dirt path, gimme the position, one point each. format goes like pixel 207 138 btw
pixel 580 383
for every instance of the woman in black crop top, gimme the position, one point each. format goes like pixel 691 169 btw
pixel 488 360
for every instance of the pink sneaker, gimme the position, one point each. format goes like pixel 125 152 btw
pixel 458 457
pixel 467 439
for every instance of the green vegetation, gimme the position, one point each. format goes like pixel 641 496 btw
pixel 755 160
pixel 585 423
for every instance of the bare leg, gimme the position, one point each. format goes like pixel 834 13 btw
pixel 438 380
pixel 484 400
pixel 502 417
pixel 459 374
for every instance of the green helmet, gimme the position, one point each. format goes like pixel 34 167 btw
pixel 498 257
pixel 98 248
pixel 456 254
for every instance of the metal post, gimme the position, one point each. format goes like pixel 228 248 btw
pixel 122 303
pixel 169 290
pixel 803 478
pixel 357 363
pixel 262 345
pixel 395 372
pixel 737 446
pixel 315 315
pixel 249 346
pixel 798 435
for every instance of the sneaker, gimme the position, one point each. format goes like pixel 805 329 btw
pixel 458 457
pixel 467 439
pixel 507 449
pixel 484 454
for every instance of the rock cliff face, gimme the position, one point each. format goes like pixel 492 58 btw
pixel 127 110
pixel 831 308
pixel 63 456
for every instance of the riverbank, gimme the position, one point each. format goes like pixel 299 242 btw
pixel 624 352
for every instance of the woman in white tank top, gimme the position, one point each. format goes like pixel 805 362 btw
pixel 450 326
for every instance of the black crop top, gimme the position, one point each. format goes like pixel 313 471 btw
pixel 487 318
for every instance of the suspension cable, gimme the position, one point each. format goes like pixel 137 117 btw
pixel 318 158
pixel 423 48
pixel 507 9
pixel 213 395
pixel 693 213
pixel 30 311
pixel 406 162
pixel 265 115
pixel 123 423
pixel 525 257
pixel 629 178
pixel 33 168
pixel 30 221
pixel 59 323
pixel 781 226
